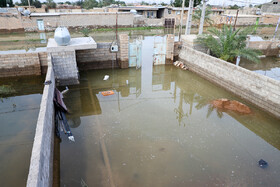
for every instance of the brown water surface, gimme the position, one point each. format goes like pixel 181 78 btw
pixel 158 129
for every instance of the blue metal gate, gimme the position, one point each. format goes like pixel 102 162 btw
pixel 135 54
pixel 159 50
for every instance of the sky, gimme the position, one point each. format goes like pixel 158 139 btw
pixel 212 2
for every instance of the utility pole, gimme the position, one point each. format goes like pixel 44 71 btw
pixel 29 5
pixel 181 20
pixel 235 20
pixel 189 20
pixel 202 17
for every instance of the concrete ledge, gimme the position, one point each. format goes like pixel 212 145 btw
pixel 260 90
pixel 75 44
pixel 41 162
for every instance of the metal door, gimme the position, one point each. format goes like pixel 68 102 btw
pixel 159 50
pixel 40 24
pixel 135 54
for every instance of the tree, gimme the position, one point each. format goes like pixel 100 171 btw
pixel 25 2
pixel 50 4
pixel 178 3
pixel 122 3
pixel 68 2
pixel 197 15
pixel 144 3
pixel 37 4
pixel 234 7
pixel 89 4
pixel 10 3
pixel 79 3
pixel 228 44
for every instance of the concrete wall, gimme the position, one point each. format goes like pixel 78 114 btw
pixel 270 7
pixel 10 22
pixel 18 64
pixel 100 58
pixel 41 162
pixel 260 90
pixel 73 20
pixel 268 48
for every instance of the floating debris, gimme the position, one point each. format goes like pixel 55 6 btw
pixel 180 65
pixel 47 82
pixel 106 77
pixel 262 163
pixel 107 93
pixel 65 91
pixel 61 123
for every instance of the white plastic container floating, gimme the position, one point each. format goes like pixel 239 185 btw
pixel 62 36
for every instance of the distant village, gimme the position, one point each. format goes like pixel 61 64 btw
pixel 34 16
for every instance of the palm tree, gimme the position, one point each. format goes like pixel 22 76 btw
pixel 207 17
pixel 228 44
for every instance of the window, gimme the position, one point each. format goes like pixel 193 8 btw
pixel 152 14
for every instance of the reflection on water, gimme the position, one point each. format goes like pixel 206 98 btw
pixel 269 66
pixel 19 110
pixel 158 130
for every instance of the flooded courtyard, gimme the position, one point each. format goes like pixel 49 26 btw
pixel 159 129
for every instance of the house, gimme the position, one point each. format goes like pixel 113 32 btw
pixel 153 12
pixel 271 7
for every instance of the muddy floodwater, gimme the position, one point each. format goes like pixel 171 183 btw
pixel 269 66
pixel 158 129
pixel 19 107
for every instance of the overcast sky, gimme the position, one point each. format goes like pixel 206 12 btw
pixel 212 2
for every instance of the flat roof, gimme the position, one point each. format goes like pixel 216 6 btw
pixel 73 13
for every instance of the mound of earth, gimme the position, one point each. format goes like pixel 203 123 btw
pixel 231 105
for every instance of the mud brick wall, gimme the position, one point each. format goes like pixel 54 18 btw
pixel 260 90
pixel 100 58
pixel 19 64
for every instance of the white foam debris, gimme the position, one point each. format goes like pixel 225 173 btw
pixel 106 77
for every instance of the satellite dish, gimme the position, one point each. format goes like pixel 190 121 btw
pixel 26 12
pixel 133 11
pixel 20 9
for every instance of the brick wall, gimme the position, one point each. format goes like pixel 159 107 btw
pixel 19 64
pixel 260 90
pixel 100 58
pixel 65 67
pixel 169 48
pixel 73 20
pixel 123 44
pixel 10 22
pixel 43 57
